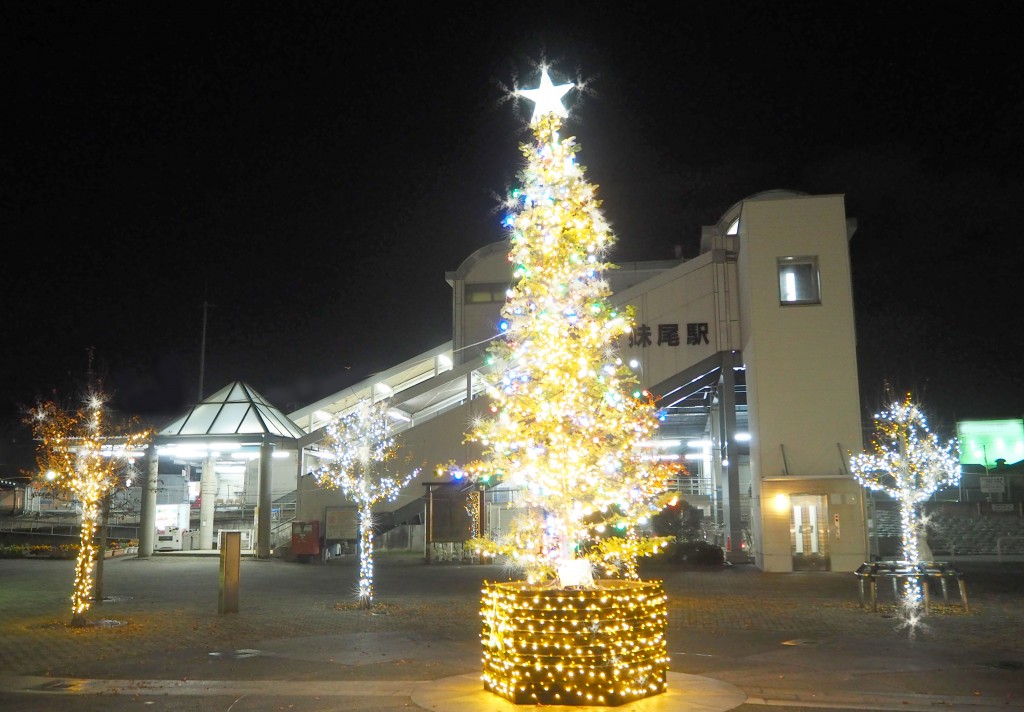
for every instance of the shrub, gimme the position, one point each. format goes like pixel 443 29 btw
pixel 697 553
pixel 20 551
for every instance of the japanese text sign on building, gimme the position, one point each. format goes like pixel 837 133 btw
pixel 668 335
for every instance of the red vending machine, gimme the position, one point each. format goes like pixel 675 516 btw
pixel 305 541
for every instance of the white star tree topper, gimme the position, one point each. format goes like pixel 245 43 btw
pixel 547 98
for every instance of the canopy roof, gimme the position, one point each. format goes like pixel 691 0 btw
pixel 235 410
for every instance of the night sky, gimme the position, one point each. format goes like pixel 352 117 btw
pixel 311 171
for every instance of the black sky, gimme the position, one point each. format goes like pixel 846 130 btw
pixel 312 169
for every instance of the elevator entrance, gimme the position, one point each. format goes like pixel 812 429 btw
pixel 809 532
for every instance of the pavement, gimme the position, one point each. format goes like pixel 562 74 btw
pixel 739 639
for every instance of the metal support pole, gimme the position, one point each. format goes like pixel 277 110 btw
pixel 147 517
pixel 265 501
pixel 430 523
pixel 207 502
pixel 731 486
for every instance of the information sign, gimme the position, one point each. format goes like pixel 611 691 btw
pixel 993 484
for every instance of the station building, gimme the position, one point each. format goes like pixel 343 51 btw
pixel 749 349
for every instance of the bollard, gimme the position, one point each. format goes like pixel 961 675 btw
pixel 230 566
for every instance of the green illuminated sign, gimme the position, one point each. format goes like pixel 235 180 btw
pixel 982 442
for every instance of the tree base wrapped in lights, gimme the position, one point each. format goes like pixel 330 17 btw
pixel 604 645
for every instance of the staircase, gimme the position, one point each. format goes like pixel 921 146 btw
pixel 952 530
pixel 976 534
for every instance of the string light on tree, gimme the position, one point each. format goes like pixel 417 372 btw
pixel 361 447
pixel 77 456
pixel 473 512
pixel 565 425
pixel 909 464
pixel 567 416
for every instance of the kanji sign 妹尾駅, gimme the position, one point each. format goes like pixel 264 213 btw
pixel 668 335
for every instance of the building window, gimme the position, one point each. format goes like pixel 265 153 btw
pixel 486 293
pixel 798 280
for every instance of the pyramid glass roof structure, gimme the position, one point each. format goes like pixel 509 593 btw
pixel 235 410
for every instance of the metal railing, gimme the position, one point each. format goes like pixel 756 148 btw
pixel 66 526
pixel 281 533
pixel 29 524
pixel 1000 540
pixel 692 486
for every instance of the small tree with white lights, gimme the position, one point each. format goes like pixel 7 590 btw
pixel 909 464
pixel 80 455
pixel 360 447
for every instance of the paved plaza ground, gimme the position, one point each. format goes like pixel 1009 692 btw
pixel 738 638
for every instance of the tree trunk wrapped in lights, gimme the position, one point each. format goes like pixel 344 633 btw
pixel 361 447
pixel 909 464
pixel 566 426
pixel 76 456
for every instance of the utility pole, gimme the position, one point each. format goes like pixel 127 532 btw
pixel 202 352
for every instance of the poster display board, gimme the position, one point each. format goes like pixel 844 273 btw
pixel 342 524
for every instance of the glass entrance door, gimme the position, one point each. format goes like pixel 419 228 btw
pixel 809 532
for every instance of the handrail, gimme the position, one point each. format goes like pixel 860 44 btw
pixel 275 532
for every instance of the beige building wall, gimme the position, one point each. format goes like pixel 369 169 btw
pixel 486 272
pixel 687 293
pixel 801 374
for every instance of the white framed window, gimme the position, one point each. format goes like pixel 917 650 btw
pixel 798 280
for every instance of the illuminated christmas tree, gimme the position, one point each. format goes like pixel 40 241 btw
pixel 909 464
pixel 567 417
pixel 79 456
pixel 567 427
pixel 361 447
